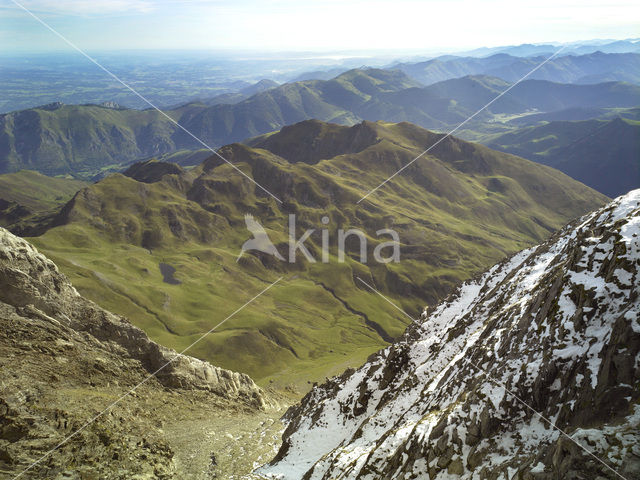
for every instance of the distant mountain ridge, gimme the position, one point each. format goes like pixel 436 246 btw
pixel 473 92
pixel 81 139
pixel 604 155
pixel 89 140
pixel 574 114
pixel 580 48
pixel 596 67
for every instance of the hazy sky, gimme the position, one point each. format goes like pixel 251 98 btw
pixel 312 25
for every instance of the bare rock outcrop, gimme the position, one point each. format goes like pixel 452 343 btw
pixel 31 282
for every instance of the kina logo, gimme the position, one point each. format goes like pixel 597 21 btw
pixel 260 240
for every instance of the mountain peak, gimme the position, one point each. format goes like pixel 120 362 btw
pixel 261 86
pixel 310 141
pixel 375 80
pixel 151 171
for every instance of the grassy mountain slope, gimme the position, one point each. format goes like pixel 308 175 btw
pixel 28 198
pixel 80 138
pixel 456 211
pixel 602 154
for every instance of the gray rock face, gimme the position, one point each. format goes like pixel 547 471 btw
pixel 32 283
pixel 551 335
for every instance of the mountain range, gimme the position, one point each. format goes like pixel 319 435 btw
pixel 459 302
pixel 595 67
pixel 579 48
pixel 90 140
pixel 474 92
pixel 482 384
pixel 456 211
pixel 529 370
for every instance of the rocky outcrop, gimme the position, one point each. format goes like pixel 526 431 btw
pixel 54 383
pixel 77 396
pixel 32 283
pixel 530 371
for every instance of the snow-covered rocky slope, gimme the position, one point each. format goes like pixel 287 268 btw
pixel 550 336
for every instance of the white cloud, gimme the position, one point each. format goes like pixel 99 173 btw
pixel 88 7
pixel 431 25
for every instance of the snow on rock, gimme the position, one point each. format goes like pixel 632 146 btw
pixel 554 329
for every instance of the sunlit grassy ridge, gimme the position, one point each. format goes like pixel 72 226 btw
pixel 27 198
pixel 457 210
pixel 37 191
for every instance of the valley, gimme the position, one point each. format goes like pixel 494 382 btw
pixel 335 259
pixel 460 210
pixel 591 151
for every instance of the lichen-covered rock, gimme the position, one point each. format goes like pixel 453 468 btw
pixel 551 335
